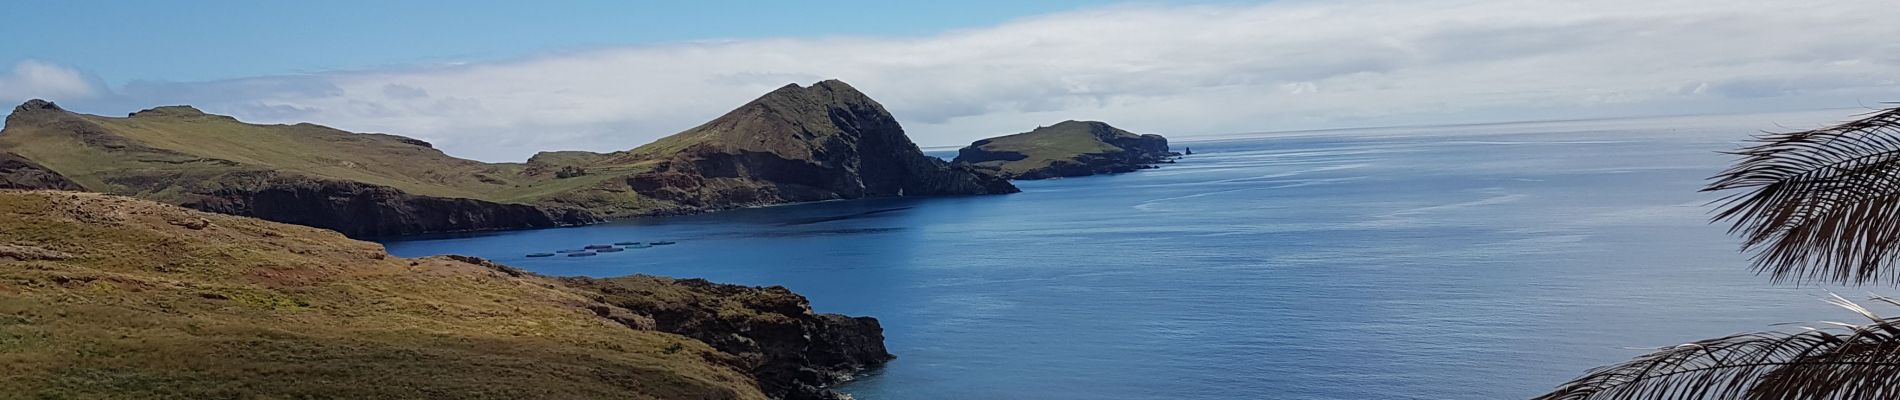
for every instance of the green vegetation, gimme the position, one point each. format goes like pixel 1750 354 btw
pixel 1049 144
pixel 166 153
pixel 1069 148
pixel 109 297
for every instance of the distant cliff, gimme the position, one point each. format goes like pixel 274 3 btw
pixel 1066 149
pixel 795 144
pixel 104 296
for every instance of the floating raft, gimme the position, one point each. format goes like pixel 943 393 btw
pixel 663 243
pixel 610 250
pixel 639 246
pixel 569 251
pixel 598 246
pixel 626 243
pixel 587 254
pixel 541 254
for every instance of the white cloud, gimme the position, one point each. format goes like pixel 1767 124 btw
pixel 34 79
pixel 1165 69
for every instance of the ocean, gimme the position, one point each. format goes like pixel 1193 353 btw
pixel 1449 262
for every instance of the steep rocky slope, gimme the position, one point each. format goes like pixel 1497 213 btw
pixel 795 144
pixel 20 173
pixel 1066 149
pixel 111 297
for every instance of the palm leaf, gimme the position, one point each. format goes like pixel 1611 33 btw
pixel 1820 205
pixel 1844 361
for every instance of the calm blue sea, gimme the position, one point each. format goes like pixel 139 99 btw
pixel 1459 262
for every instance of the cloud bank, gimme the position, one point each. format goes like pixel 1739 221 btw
pixel 1177 70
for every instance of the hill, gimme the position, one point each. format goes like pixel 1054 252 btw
pixel 105 297
pixel 823 142
pixel 1066 149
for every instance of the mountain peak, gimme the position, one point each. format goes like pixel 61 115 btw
pixel 36 104
pixel 178 110
pixel 831 88
pixel 834 85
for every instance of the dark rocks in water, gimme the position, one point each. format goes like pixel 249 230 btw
pixel 824 142
pixel 363 210
pixel 792 352
pixel 19 173
pixel 1066 149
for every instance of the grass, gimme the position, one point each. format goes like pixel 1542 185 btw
pixel 140 306
pixel 175 151
pixel 1044 145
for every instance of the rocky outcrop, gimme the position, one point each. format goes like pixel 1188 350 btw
pixel 20 173
pixel 368 211
pixel 824 142
pixel 794 353
pixel 1066 149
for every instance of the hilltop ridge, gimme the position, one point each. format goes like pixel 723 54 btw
pixel 826 141
pixel 1066 149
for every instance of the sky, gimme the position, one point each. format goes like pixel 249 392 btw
pixel 498 81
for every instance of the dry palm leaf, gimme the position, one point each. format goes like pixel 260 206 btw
pixel 1820 205
pixel 1841 361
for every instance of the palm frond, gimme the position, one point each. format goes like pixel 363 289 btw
pixel 1820 205
pixel 1841 361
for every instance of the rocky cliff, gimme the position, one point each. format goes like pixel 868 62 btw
pixel 105 296
pixel 1066 149
pixel 367 211
pixel 793 352
pixel 20 173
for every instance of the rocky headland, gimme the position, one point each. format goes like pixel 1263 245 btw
pixel 1066 149
pixel 104 296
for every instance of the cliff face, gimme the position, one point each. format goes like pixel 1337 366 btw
pixel 20 173
pixel 1066 149
pixel 104 296
pixel 368 211
pixel 793 352
pixel 823 142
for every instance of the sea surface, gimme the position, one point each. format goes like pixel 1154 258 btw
pixel 1450 262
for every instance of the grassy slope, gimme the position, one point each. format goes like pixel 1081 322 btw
pixel 110 297
pixel 1044 145
pixel 181 135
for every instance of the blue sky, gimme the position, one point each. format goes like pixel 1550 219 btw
pixel 122 41
pixel 498 81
